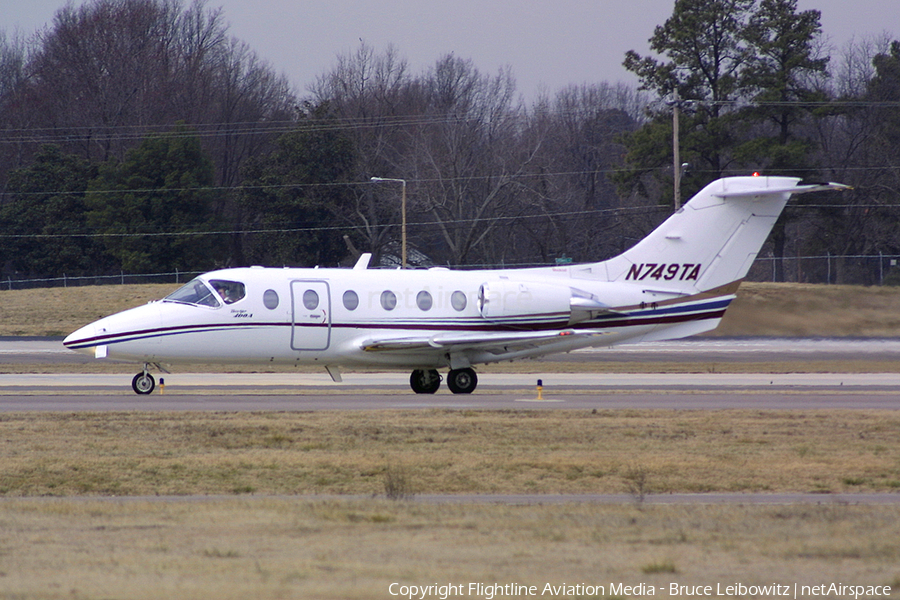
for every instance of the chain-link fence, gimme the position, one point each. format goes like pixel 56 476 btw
pixel 877 269
pixel 121 279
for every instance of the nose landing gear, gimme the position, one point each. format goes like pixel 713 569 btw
pixel 143 383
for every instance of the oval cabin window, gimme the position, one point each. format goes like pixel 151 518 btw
pixel 388 300
pixel 424 300
pixel 270 299
pixel 310 299
pixel 351 300
pixel 458 301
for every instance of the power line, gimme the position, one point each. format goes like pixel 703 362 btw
pixel 638 210
pixel 452 222
pixel 76 133
pixel 410 180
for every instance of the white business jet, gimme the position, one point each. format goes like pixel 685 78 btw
pixel 676 282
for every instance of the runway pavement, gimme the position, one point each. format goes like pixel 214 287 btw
pixel 369 391
pixel 390 390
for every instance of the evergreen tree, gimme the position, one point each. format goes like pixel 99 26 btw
pixel 884 92
pixel 289 195
pixel 153 206
pixel 705 54
pixel 43 219
pixel 781 76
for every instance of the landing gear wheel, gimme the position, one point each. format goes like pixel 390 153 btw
pixel 143 383
pixel 462 381
pixel 425 382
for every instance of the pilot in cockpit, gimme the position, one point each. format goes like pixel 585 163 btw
pixel 229 291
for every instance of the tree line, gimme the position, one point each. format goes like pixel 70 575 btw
pixel 139 136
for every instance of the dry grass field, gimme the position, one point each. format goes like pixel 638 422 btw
pixel 448 452
pixel 60 311
pixel 283 548
pixel 248 522
pixel 808 310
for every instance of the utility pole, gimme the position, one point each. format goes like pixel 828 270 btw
pixel 402 217
pixel 676 150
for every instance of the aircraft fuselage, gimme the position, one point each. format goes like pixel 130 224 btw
pixel 338 316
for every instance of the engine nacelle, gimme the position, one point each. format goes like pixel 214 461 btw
pixel 524 301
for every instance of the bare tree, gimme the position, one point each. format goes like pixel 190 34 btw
pixel 369 95
pixel 857 148
pixel 468 157
pixel 13 112
pixel 571 188
pixel 108 72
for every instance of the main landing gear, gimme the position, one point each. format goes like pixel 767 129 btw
pixel 425 382
pixel 460 381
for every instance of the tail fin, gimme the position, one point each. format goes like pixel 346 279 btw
pixel 714 239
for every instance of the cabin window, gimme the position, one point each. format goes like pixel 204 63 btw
pixel 229 291
pixel 388 300
pixel 458 301
pixel 270 299
pixel 310 299
pixel 351 300
pixel 194 292
pixel 424 300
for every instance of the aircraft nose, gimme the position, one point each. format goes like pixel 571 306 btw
pixel 81 339
pixel 125 334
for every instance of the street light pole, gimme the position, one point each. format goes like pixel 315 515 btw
pixel 402 217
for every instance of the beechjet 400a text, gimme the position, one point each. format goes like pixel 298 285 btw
pixel 676 282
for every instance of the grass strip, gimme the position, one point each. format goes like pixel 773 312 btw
pixel 448 451
pixel 355 549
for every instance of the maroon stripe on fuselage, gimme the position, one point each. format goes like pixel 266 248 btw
pixel 422 326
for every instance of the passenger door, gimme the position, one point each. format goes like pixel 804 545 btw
pixel 311 321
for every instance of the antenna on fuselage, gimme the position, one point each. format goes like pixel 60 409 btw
pixel 363 263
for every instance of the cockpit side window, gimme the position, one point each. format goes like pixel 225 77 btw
pixel 229 291
pixel 194 292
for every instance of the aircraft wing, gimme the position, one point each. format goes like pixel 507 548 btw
pixel 502 342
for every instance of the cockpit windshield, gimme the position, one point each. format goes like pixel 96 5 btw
pixel 194 292
pixel 213 295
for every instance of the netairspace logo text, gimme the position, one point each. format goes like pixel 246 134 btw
pixel 490 591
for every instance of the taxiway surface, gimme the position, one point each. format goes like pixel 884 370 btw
pixel 306 391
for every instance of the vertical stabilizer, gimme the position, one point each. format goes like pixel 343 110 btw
pixel 713 240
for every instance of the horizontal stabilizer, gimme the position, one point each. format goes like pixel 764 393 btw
pixel 793 189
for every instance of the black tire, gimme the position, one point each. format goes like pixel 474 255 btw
pixel 462 381
pixel 143 383
pixel 425 382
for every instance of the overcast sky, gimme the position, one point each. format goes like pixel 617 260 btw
pixel 548 43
